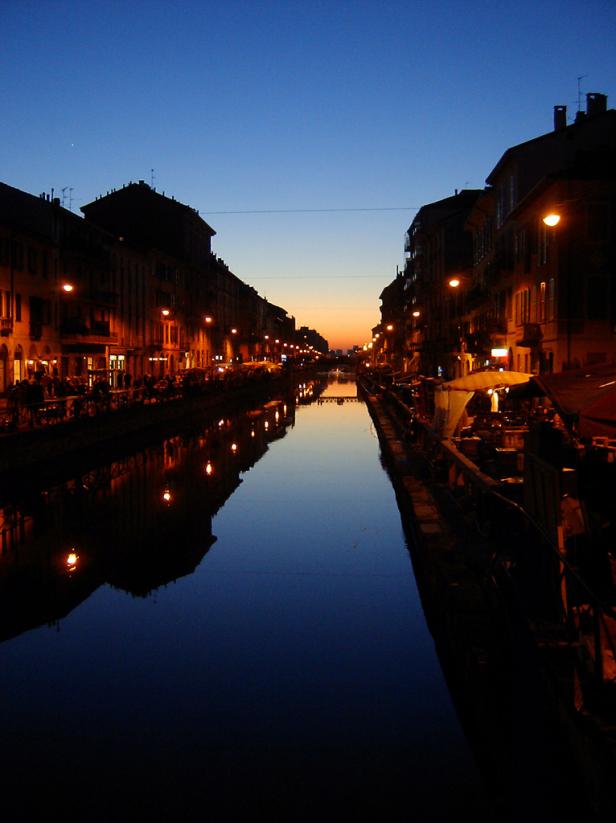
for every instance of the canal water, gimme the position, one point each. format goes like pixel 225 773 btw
pixel 226 622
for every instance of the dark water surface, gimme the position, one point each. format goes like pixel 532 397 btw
pixel 193 631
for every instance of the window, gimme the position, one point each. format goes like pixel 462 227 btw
pixel 18 308
pixel 32 255
pixel 551 302
pixel 541 315
pixel 18 256
pixel 534 304
pixel 522 307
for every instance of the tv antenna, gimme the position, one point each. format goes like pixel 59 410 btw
pixel 68 189
pixel 152 178
pixel 579 82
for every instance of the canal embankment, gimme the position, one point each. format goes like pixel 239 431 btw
pixel 513 696
pixel 32 448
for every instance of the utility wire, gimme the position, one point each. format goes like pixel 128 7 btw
pixel 313 211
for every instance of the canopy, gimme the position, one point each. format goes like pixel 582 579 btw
pixel 451 398
pixel 587 394
pixel 487 380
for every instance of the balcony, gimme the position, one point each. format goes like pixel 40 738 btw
pixel 477 343
pixel 75 330
pixel 6 326
pixel 531 335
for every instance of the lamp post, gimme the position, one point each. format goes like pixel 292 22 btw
pixel 455 285
pixel 552 220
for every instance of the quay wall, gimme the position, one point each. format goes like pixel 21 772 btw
pixel 504 687
pixel 25 450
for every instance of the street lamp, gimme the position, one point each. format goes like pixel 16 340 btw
pixel 552 219
pixel 454 282
pixel 68 287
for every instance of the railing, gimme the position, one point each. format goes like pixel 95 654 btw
pixel 560 604
pixel 563 607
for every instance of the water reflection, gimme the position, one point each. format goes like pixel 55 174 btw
pixel 288 672
pixel 137 524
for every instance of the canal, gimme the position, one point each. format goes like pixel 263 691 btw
pixel 226 622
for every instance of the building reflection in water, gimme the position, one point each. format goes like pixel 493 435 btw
pixel 118 524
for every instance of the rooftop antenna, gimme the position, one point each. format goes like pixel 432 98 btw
pixel 68 189
pixel 579 82
pixel 152 178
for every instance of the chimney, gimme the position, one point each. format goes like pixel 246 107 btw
pixel 595 103
pixel 560 118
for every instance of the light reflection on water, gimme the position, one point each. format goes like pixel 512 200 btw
pixel 288 667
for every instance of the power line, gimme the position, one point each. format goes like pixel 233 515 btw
pixel 290 277
pixel 314 211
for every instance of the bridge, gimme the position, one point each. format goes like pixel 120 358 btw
pixel 351 398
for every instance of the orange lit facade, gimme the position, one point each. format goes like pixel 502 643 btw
pixel 531 295
pixel 133 288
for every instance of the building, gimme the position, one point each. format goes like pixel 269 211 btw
pixel 58 311
pixel 544 296
pixel 438 269
pixel 491 281
pixel 133 287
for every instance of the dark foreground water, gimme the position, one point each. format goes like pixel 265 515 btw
pixel 193 631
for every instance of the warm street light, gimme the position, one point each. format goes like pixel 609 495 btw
pixel 165 312
pixel 416 313
pixel 454 282
pixel 389 327
pixel 72 559
pixel 67 287
pixel 233 331
pixel 552 219
pixel 208 318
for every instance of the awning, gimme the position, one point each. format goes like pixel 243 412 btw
pixel 479 380
pixel 451 398
pixel 586 394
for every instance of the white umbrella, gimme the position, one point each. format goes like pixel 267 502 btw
pixel 486 380
pixel 451 398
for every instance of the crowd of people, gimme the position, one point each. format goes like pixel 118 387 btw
pixel 44 398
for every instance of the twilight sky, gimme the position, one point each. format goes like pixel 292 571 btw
pixel 263 106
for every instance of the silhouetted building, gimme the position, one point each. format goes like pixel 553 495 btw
pixel 438 269
pixel 546 295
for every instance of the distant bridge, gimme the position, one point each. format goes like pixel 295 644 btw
pixel 351 398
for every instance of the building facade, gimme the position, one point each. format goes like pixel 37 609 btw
pixel 522 274
pixel 132 288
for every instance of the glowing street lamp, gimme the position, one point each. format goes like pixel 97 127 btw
pixel 165 312
pixel 552 219
pixel 208 319
pixel 72 560
pixel 416 313
pixel 68 287
pixel 454 282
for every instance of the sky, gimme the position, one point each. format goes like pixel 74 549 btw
pixel 307 134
